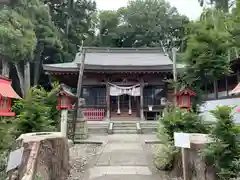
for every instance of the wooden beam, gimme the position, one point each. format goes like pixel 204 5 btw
pixel 79 89
pixel 141 98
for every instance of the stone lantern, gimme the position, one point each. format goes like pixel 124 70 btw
pixel 65 102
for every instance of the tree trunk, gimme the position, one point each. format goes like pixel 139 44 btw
pixel 46 156
pixel 21 78
pixel 37 64
pixel 5 67
pixel 26 77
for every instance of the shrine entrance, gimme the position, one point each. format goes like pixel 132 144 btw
pixel 128 106
pixel 124 101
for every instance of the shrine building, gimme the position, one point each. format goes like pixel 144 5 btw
pixel 124 83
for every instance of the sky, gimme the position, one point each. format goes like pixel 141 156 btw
pixel 189 8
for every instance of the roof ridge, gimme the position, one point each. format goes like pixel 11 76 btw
pixel 123 50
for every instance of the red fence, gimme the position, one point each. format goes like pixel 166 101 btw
pixel 94 114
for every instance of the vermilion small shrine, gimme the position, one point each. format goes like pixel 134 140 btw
pixel 184 98
pixel 7 93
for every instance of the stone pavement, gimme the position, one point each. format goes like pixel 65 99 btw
pixel 123 157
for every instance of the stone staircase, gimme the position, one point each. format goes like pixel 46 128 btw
pixel 98 127
pixel 148 127
pixel 124 127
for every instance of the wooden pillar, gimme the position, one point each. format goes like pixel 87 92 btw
pixel 78 94
pixel 226 85
pixel 238 75
pixel 141 99
pixel 108 99
pixel 215 89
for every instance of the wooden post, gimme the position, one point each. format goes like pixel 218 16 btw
pixel 238 76
pixel 185 164
pixel 141 99
pixel 108 100
pixel 79 88
pixel 174 58
pixel 226 85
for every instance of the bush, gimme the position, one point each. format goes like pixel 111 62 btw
pixel 6 143
pixel 175 120
pixel 224 152
pixel 37 112
pixel 180 120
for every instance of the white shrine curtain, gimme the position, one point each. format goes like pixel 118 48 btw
pixel 118 90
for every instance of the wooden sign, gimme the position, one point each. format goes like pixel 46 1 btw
pixel 15 159
pixel 182 140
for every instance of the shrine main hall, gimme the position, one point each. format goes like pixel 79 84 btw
pixel 123 83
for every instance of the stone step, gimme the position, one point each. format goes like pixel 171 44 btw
pixel 125 128
pixel 124 131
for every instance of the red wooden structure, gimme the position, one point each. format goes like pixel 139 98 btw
pixel 184 98
pixel 65 98
pixel 94 114
pixel 6 95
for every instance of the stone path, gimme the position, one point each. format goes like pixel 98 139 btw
pixel 123 158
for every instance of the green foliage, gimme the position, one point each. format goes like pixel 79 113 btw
pixel 6 143
pixel 17 36
pixel 206 53
pixel 175 120
pixel 179 120
pixel 37 112
pixel 224 151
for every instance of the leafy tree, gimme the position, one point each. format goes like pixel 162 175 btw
pixel 218 4
pixel 108 22
pixel 206 54
pixel 46 32
pixel 18 40
pixel 142 23
pixel 79 17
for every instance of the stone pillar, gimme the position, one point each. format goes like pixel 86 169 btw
pixel 141 99
pixel 108 100
pixel 82 123
pixel 64 123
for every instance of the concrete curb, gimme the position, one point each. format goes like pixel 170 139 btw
pixel 153 142
pixel 88 142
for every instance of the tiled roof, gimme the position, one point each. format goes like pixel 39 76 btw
pixel 117 59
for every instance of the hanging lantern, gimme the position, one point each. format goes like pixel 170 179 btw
pixel 184 98
pixel 65 98
pixel 7 93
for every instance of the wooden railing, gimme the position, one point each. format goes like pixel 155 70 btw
pixel 94 114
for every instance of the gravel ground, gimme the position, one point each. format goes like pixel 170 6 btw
pixel 80 155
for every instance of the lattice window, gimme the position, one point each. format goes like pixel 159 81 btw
pixel 94 95
pixel 152 95
pixel 4 104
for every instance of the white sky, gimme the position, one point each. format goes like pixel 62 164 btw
pixel 189 8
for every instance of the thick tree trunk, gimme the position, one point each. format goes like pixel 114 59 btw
pixel 21 78
pixel 37 64
pixel 45 156
pixel 26 77
pixel 5 67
